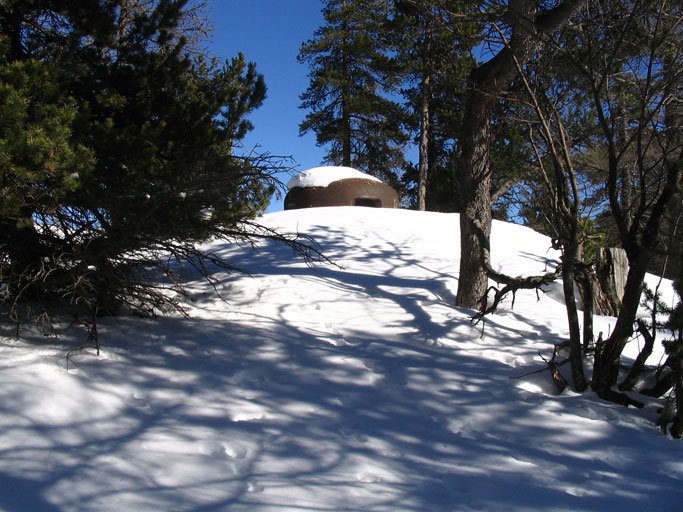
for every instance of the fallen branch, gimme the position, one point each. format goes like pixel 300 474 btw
pixel 540 370
pixel 552 366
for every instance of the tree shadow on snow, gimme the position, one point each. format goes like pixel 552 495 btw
pixel 259 413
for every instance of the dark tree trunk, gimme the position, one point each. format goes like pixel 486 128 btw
pixel 569 259
pixel 677 427
pixel 640 232
pixel 606 368
pixel 346 133
pixel 26 254
pixel 345 111
pixel 424 143
pixel 476 193
pixel 486 83
pixel 632 378
pixel 586 283
pixel 23 246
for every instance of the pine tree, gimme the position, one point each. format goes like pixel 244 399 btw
pixel 432 53
pixel 116 152
pixel 351 83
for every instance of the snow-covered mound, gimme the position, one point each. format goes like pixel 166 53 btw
pixel 337 388
pixel 323 176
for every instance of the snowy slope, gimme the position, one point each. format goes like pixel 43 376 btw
pixel 358 387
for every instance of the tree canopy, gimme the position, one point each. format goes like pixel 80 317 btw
pixel 349 95
pixel 117 151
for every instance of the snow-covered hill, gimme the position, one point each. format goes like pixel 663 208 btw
pixel 358 387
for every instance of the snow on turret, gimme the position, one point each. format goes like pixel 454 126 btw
pixel 325 175
pixel 338 186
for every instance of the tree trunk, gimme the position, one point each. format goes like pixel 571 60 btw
pixel 586 286
pixel 640 236
pixel 632 378
pixel 677 427
pixel 345 111
pixel 346 132
pixel 486 83
pixel 569 259
pixel 476 191
pixel 606 367
pixel 424 143
pixel 612 271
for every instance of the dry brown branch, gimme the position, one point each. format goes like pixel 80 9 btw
pixel 559 381
pixel 511 284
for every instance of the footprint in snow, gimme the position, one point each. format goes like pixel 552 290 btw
pixel 254 487
pixel 435 490
pixel 368 478
pixel 139 402
pixel 373 366
pixel 386 377
pixel 235 451
pixel 220 450
pixel 352 434
pixel 336 341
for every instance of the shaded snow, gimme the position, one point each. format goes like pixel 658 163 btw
pixel 323 176
pixel 357 387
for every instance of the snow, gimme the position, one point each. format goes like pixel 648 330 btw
pixel 327 388
pixel 323 176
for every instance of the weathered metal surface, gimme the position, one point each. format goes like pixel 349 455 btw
pixel 346 192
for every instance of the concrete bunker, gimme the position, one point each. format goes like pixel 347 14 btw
pixel 338 186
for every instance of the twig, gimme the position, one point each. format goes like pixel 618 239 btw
pixel 540 370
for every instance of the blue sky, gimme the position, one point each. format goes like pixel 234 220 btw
pixel 270 33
